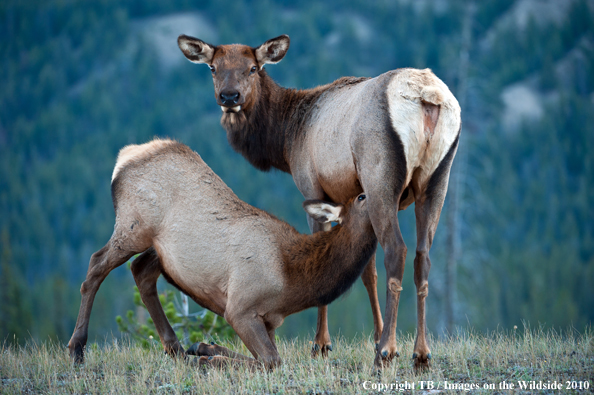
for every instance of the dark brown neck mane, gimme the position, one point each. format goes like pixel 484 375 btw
pixel 324 265
pixel 265 133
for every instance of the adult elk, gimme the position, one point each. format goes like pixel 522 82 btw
pixel 236 260
pixel 393 137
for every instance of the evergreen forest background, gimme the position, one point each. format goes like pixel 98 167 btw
pixel 79 80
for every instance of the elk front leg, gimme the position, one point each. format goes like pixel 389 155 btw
pixel 369 278
pixel 101 264
pixel 322 343
pixel 146 269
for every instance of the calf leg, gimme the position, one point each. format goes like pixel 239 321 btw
pixel 369 278
pixel 212 349
pixel 102 262
pixel 146 269
pixel 252 330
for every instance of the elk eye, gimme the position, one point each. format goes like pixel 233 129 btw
pixel 212 68
pixel 253 70
pixel 361 197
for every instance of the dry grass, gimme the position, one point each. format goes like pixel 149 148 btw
pixel 465 359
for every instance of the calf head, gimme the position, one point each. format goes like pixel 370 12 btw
pixel 235 68
pixel 353 214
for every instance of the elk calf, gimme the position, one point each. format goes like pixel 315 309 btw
pixel 231 258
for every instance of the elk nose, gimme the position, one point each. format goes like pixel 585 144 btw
pixel 229 98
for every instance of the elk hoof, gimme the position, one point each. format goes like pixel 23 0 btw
pixel 193 350
pixel 316 349
pixel 421 362
pixel 202 349
pixel 384 357
pixel 77 354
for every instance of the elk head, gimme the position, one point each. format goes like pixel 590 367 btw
pixel 352 214
pixel 235 68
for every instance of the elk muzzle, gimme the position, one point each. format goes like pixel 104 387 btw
pixel 229 99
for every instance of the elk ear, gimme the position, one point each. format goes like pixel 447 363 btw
pixel 197 51
pixel 323 212
pixel 273 50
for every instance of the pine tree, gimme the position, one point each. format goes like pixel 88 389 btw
pixel 15 314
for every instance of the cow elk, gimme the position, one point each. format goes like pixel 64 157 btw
pixel 393 137
pixel 231 258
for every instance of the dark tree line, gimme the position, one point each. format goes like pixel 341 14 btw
pixel 81 80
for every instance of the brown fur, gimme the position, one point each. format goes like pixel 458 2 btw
pixel 283 110
pixel 232 258
pixel 387 136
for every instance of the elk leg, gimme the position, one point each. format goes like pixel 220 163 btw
pixel 251 329
pixel 146 269
pixel 102 262
pixel 322 343
pixel 395 256
pixel 427 212
pixel 381 167
pixel 369 278
pixel 212 349
pixel 382 206
pixel 271 331
pixel 425 232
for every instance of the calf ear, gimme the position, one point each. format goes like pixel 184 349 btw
pixel 323 212
pixel 197 51
pixel 273 50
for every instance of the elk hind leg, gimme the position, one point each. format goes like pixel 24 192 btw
pixel 252 330
pixel 395 257
pixel 426 223
pixel 427 212
pixel 146 269
pixel 101 264
pixel 213 349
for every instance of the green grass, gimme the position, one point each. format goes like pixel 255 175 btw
pixel 465 359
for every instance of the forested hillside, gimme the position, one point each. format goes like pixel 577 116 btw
pixel 80 80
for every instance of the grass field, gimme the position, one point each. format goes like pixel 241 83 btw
pixel 467 362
